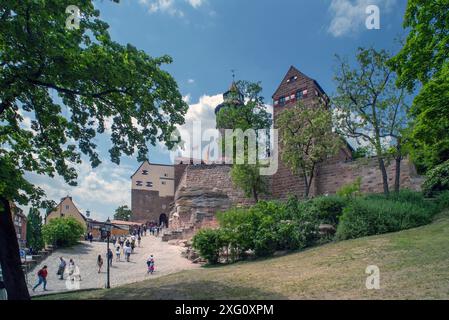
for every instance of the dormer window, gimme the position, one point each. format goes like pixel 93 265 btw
pixel 145 172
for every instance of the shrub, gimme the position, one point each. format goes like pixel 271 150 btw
pixel 437 180
pixel 407 196
pixel 210 243
pixel 265 243
pixel 289 236
pixel 443 201
pixel 371 216
pixel 269 226
pixel 64 232
pixel 350 190
pixel 329 209
pixel 241 227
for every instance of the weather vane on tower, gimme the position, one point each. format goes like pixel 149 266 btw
pixel 233 74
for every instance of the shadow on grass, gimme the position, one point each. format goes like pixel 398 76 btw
pixel 194 290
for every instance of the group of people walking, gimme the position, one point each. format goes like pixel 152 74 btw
pixel 71 271
pixel 123 246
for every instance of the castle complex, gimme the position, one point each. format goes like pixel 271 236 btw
pixel 186 196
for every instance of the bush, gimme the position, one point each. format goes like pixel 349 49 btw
pixel 64 232
pixel 210 243
pixel 350 190
pixel 269 226
pixel 437 180
pixel 371 216
pixel 408 196
pixel 443 201
pixel 329 209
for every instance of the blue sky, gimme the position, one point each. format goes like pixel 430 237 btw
pixel 260 39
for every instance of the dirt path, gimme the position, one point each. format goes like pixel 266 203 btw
pixel 167 257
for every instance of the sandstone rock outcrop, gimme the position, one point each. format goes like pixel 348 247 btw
pixel 195 208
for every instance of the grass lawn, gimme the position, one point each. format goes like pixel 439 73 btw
pixel 414 264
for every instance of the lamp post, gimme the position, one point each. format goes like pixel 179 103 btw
pixel 108 235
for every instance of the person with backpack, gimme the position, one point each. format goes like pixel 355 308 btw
pixel 42 278
pixel 61 268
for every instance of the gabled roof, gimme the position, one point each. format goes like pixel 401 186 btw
pixel 286 88
pixel 138 169
pixel 150 164
pixel 70 198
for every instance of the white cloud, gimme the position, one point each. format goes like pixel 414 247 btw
pixel 204 112
pixel 99 190
pixel 349 15
pixel 172 7
pixel 195 3
pixel 191 81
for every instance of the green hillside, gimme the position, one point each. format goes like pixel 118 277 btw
pixel 414 264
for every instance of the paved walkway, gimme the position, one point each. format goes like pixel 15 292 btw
pixel 167 260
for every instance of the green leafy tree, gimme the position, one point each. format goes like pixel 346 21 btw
pixel 369 107
pixel 248 178
pixel 252 114
pixel 34 230
pixel 424 61
pixel 63 232
pixel 69 83
pixel 307 139
pixel 123 213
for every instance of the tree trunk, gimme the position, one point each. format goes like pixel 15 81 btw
pixel 383 170
pixel 13 276
pixel 306 184
pixel 397 180
pixel 255 195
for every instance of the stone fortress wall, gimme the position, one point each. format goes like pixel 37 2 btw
pixel 204 190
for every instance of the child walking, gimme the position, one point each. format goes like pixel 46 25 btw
pixel 150 264
pixel 117 253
